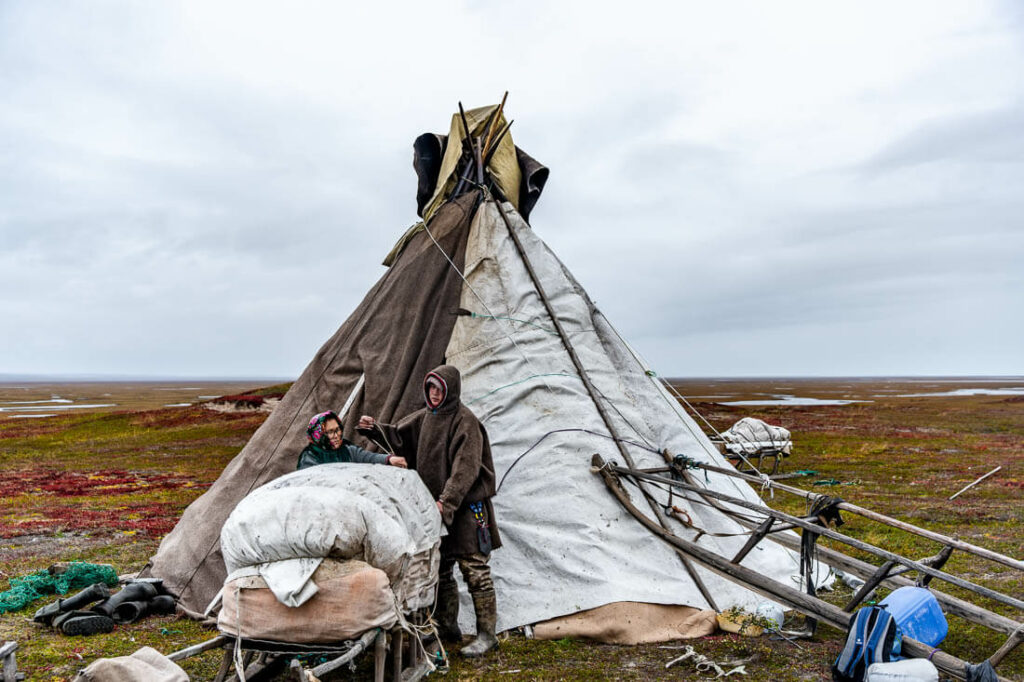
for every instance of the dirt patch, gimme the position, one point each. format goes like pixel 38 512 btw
pixel 245 404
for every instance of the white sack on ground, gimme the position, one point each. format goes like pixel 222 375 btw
pixel 382 515
pixel 750 435
pixel 145 665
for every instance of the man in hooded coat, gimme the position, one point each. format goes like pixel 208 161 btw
pixel 448 446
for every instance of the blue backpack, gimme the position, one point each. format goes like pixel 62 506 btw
pixel 874 637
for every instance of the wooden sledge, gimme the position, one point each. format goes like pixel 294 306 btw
pixel 264 659
pixel 677 475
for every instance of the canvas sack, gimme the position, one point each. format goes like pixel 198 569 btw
pixel 145 665
pixel 353 597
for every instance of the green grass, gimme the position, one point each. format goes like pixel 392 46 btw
pixel 900 456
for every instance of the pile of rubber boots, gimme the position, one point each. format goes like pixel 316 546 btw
pixel 75 616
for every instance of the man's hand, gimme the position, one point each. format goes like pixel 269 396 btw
pixel 440 508
pixel 366 422
pixel 399 462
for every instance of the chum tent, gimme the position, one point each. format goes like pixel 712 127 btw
pixel 474 286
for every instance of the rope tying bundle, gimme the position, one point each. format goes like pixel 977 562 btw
pixel 27 588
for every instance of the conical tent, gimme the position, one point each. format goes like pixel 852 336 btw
pixel 547 375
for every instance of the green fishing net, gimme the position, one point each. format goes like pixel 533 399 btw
pixel 78 574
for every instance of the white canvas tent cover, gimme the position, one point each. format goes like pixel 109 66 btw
pixel 459 291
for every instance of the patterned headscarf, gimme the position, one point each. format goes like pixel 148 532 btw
pixel 315 430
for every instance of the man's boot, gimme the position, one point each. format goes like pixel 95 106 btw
pixel 132 592
pixel 447 612
pixel 87 596
pixel 83 623
pixel 486 606
pixel 131 611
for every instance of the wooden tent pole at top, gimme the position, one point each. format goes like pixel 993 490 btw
pixel 494 122
pixel 592 392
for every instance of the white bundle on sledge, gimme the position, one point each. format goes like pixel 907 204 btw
pixel 749 436
pixel 381 515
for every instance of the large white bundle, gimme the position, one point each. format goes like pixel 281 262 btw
pixel 382 515
pixel 750 435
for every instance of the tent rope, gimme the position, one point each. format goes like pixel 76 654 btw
pixel 644 365
pixel 676 513
pixel 576 430
pixel 490 313
pixel 516 383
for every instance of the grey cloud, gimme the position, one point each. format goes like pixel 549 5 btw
pixel 988 137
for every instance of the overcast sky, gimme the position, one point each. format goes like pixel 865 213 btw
pixel 784 188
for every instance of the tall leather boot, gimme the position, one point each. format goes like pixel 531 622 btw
pixel 87 596
pixel 486 606
pixel 447 612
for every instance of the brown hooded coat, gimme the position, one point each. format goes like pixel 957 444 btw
pixel 449 449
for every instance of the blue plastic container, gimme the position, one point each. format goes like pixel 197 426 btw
pixel 918 614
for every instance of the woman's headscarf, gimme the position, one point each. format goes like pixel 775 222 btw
pixel 315 430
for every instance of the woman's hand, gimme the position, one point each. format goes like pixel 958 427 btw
pixel 397 461
pixel 440 508
pixel 366 422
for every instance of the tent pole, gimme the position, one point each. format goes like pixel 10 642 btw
pixel 772 589
pixel 880 518
pixel 597 403
pixel 831 534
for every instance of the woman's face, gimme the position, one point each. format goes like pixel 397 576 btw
pixel 332 429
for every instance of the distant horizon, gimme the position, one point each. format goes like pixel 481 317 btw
pixel 142 378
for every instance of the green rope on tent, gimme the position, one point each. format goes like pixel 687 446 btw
pixel 514 319
pixel 685 462
pixel 805 472
pixel 27 588
pixel 516 383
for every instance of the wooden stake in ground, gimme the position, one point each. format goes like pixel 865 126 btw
pixel 965 489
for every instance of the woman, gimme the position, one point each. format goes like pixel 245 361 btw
pixel 326 446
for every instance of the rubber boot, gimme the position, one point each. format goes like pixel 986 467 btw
pixel 83 623
pixel 82 599
pixel 140 591
pixel 486 606
pixel 447 613
pixel 162 605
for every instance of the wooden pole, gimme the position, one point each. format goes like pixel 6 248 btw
pixel 880 518
pixel 1009 645
pixel 968 487
pixel 361 644
pixel 195 649
pixel 380 652
pixel 772 589
pixel 497 117
pixel 950 604
pixel 497 141
pixel 592 392
pixel 829 533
